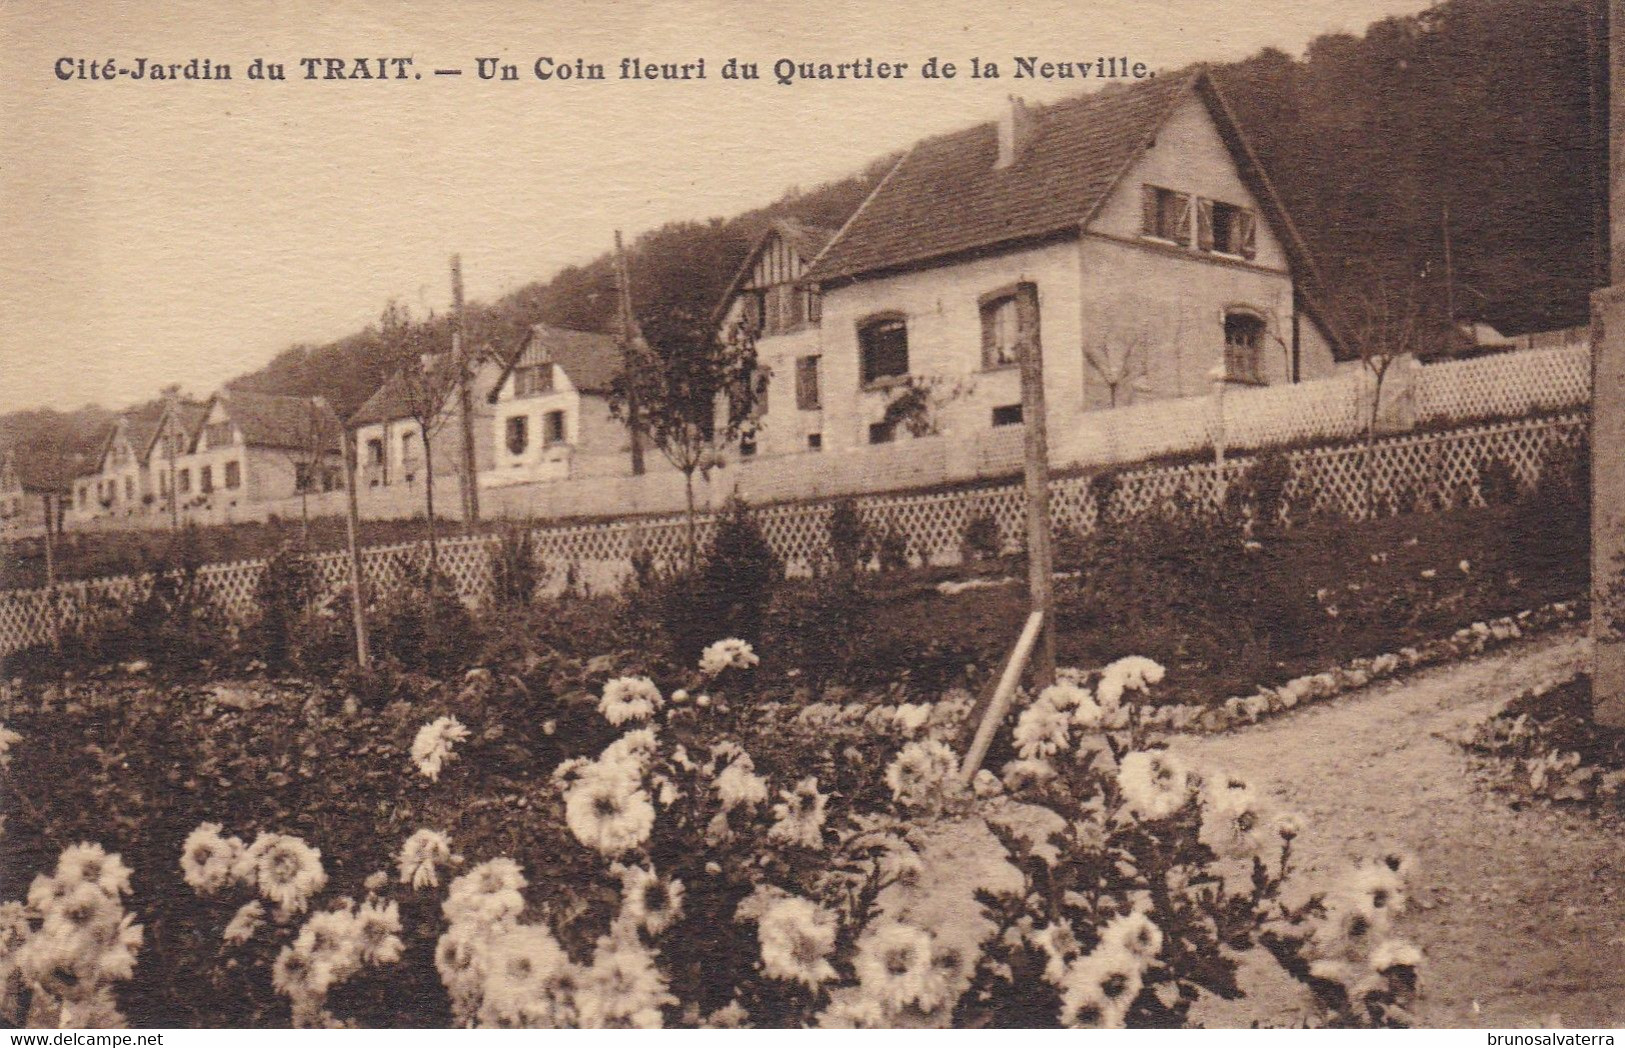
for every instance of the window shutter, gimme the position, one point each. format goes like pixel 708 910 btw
pixel 1247 224
pixel 1148 211
pixel 1182 219
pixel 990 315
pixel 1204 224
pixel 1027 319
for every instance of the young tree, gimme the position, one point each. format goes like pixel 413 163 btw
pixel 1386 319
pixel 426 381
pixel 696 389
pixel 319 436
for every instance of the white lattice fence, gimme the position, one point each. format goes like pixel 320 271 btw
pixel 1422 471
pixel 1506 384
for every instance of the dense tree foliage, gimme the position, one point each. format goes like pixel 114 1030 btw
pixel 1474 117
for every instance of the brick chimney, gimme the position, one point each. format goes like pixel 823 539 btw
pixel 1015 130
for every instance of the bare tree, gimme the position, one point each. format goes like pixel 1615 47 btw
pixel 1385 321
pixel 427 383
pixel 318 436
pixel 693 395
pixel 1118 358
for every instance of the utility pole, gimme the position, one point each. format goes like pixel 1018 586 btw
pixel 465 398
pixel 172 451
pixel 1040 558
pixel 630 339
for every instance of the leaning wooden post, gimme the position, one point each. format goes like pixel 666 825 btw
pixel 1608 417
pixel 1006 690
pixel 52 507
pixel 1040 558
pixel 352 522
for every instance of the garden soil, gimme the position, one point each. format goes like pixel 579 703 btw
pixel 1521 912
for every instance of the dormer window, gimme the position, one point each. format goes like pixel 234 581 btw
pixel 217 434
pixel 883 345
pixel 1165 214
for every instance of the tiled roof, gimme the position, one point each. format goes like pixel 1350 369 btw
pixel 189 416
pixel 392 401
pixel 268 420
pixel 591 359
pixel 946 197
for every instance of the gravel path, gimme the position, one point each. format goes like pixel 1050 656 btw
pixel 1521 913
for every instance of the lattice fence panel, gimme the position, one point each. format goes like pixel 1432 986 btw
pixel 1505 384
pixel 1420 471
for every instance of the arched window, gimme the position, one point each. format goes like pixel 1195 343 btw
pixel 1244 347
pixel 883 345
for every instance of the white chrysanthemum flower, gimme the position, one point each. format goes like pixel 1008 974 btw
pixel 88 863
pixel 526 978
pixel 432 748
pixel 460 956
pixel 1100 988
pixel 648 902
pixel 377 925
pixel 854 1011
pixel 1289 826
pixel 731 653
pixel 1376 889
pixel 1133 933
pixel 1134 673
pixel 911 717
pixel 609 813
pixel 8 739
pixel 922 772
pixel 1233 821
pixel 245 922
pixel 328 943
pixel 287 870
pixel 1155 784
pixel 422 856
pixel 738 784
pixel 985 784
pixel 622 989
pixel 486 895
pixel 207 858
pixel 894 966
pixel 796 937
pixel 1042 731
pixel 801 815
pixel 629 699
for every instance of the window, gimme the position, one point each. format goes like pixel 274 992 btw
pixel 129 489
pixel 815 442
pixel 553 427
pixel 1165 214
pixel 333 479
pixel 217 434
pixel 205 479
pixel 882 432
pixel 747 443
pixel 1008 415
pixel 84 495
pixel 163 485
pixel 1243 347
pixel 375 452
pixel 1008 315
pixel 406 444
pixel 234 475
pixel 759 377
pixel 518 434
pixel 807 393
pixel 301 477
pixel 883 344
pixel 183 481
pixel 533 381
pixel 1226 229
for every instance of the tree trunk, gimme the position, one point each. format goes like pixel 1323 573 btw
pixel 428 499
pixel 693 538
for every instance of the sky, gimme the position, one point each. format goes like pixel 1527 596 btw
pixel 188 231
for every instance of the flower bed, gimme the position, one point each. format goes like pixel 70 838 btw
pixel 638 852
pixel 1545 745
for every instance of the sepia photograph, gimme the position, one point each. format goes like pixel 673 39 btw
pixel 768 514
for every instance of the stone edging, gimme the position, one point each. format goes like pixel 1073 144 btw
pixel 1358 673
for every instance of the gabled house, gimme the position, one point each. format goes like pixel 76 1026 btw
pixel 389 432
pixel 247 449
pixel 34 494
pixel 1130 234
pixel 770 298
pixel 171 438
pixel 119 484
pixel 551 418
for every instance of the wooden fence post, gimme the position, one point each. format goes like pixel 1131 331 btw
pixel 358 606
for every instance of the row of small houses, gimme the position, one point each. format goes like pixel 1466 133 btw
pixel 1130 236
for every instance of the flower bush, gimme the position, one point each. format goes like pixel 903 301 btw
pixel 1546 744
pixel 697 856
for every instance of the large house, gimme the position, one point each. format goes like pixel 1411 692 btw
pixel 250 449
pixel 551 416
pixel 119 485
pixel 1129 233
